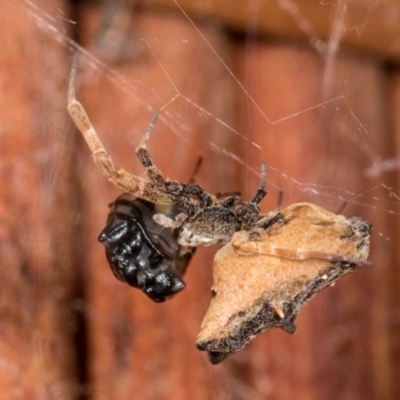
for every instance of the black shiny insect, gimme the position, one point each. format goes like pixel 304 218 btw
pixel 143 253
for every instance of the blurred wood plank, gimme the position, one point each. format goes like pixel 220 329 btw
pixel 38 357
pixel 363 26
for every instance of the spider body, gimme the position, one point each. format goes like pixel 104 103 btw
pixel 143 253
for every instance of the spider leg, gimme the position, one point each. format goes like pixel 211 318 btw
pixel 152 171
pixel 119 177
pixel 261 191
pixel 280 199
pixel 178 190
pixel 248 248
pixel 196 170
pixel 249 212
pixel 341 208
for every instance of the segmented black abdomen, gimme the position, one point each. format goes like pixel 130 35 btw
pixel 141 252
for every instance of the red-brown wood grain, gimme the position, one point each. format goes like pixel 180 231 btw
pixel 38 357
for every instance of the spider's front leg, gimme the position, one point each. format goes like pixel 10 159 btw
pixel 262 188
pixel 144 157
pixel 190 196
pixel 119 177
pixel 248 213
pixel 82 122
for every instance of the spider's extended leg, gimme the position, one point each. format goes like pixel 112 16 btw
pixel 304 231
pixel 119 177
pixel 196 170
pixel 152 171
pixel 183 190
pixel 280 199
pixel 341 208
pixel 262 189
pixel 249 213
pixel 248 248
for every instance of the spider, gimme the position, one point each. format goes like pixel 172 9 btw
pixel 205 219
pixel 153 229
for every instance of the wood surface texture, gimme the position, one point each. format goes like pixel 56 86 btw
pixel 363 26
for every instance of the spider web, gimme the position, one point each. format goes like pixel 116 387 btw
pixel 244 99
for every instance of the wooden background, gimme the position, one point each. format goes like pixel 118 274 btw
pixel 68 328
